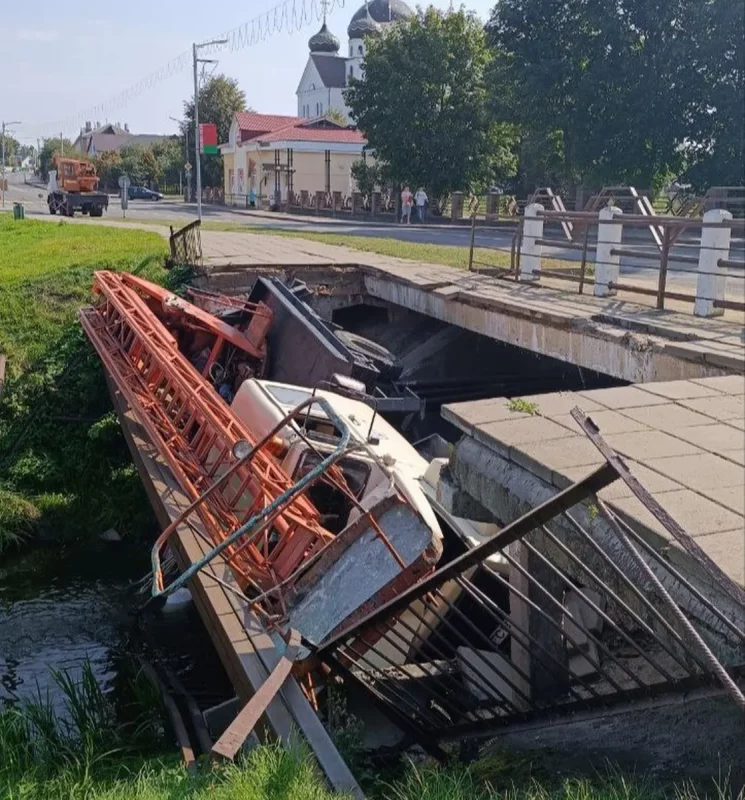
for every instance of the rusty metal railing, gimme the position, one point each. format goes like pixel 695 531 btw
pixel 566 609
pixel 186 247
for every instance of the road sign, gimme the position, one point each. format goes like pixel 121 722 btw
pixel 124 182
pixel 187 167
pixel 208 138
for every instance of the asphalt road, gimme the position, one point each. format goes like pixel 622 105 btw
pixel 681 276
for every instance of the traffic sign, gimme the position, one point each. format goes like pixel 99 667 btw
pixel 124 182
pixel 187 167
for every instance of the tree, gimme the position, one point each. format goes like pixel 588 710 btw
pixel 368 177
pixel 51 148
pixel 337 115
pixel 108 168
pixel 423 105
pixel 12 148
pixel 715 147
pixel 220 99
pixel 614 93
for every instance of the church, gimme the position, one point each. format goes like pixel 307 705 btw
pixel 327 73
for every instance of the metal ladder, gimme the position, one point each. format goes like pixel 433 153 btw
pixel 194 431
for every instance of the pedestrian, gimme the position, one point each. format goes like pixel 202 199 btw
pixel 421 201
pixel 407 201
pixel 252 198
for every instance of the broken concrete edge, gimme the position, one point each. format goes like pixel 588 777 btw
pixel 646 339
pixel 508 489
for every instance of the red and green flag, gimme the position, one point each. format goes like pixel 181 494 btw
pixel 208 138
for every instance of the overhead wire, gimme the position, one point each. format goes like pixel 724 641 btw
pixel 288 16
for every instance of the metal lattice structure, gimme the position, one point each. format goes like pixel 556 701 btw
pixel 195 431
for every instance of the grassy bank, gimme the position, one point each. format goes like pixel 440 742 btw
pixel 64 469
pixel 89 749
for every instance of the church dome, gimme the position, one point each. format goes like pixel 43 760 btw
pixel 383 12
pixel 324 41
pixel 364 26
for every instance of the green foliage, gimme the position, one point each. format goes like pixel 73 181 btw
pixel 609 93
pixel 52 147
pixel 368 176
pixel 336 115
pixel 12 147
pixel 84 752
pixel 424 105
pixel 65 470
pixel 219 99
pixel 518 404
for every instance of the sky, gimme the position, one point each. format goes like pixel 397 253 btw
pixel 61 62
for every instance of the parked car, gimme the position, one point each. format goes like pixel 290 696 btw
pixel 143 193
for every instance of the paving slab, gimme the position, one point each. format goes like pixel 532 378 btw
pixel 696 513
pixel 699 472
pixel 681 390
pixel 511 433
pixel 732 497
pixel 727 549
pixel 622 397
pixel 669 417
pixel 716 437
pixel 645 445
pixel 729 384
pixel 688 459
pixel 723 408
pixel 478 412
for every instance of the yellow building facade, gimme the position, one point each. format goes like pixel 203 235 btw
pixel 269 155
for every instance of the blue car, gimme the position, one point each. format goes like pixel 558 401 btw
pixel 142 193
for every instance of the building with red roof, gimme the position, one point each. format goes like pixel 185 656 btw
pixel 272 155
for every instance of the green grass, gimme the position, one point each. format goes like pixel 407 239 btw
pixel 519 404
pixel 85 752
pixel 64 467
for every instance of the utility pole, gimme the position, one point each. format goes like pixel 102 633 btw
pixel 2 157
pixel 195 49
pixel 61 144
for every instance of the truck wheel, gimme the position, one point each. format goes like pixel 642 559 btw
pixel 96 211
pixel 69 210
pixel 52 207
pixel 382 358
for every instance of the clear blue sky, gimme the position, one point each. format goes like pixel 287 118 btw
pixel 60 60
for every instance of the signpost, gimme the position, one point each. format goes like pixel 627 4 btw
pixel 124 184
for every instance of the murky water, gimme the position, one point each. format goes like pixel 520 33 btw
pixel 62 605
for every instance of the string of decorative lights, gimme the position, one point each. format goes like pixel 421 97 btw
pixel 289 16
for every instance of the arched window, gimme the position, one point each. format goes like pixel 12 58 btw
pixel 351 71
pixel 360 51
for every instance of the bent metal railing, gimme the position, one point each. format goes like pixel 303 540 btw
pixel 186 247
pixel 546 618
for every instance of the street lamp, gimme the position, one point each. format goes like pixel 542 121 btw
pixel 2 147
pixel 195 49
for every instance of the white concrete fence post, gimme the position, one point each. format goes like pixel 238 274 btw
pixel 607 265
pixel 530 250
pixel 711 277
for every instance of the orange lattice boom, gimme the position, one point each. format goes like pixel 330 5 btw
pixel 194 431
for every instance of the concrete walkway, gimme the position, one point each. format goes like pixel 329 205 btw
pixel 684 440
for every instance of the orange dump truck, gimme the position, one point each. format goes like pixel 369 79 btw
pixel 73 186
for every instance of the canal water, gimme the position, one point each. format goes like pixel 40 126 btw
pixel 63 605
